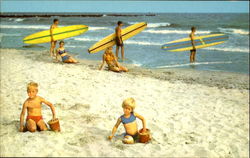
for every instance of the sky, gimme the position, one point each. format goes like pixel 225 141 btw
pixel 124 6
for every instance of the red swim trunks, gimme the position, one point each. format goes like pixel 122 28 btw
pixel 34 118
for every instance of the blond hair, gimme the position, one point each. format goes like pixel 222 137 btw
pixel 32 85
pixel 129 102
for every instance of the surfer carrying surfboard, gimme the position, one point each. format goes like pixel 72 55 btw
pixel 192 51
pixel 118 39
pixel 111 60
pixel 53 42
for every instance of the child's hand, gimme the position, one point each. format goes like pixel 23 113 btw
pixel 110 137
pixel 21 129
pixel 144 130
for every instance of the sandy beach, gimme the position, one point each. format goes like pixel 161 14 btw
pixel 190 113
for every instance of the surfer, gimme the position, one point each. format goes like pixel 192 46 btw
pixel 111 60
pixel 118 39
pixel 53 42
pixel 192 51
pixel 128 119
pixel 33 105
pixel 63 53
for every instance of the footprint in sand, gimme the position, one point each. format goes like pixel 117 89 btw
pixel 79 106
pixel 200 152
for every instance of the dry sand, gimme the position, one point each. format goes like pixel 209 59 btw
pixel 190 113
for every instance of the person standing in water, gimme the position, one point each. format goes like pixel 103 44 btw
pixel 53 42
pixel 192 51
pixel 118 39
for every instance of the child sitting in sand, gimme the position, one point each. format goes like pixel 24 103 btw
pixel 129 122
pixel 33 105
pixel 63 53
pixel 111 60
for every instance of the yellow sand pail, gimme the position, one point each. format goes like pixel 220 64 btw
pixel 144 137
pixel 54 125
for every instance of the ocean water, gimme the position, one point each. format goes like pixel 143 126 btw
pixel 144 49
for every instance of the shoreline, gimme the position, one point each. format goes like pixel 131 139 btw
pixel 227 80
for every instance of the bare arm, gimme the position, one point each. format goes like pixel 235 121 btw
pixel 115 128
pixel 103 62
pixel 24 109
pixel 51 107
pixel 143 121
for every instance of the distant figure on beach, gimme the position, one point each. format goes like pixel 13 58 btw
pixel 129 122
pixel 111 60
pixel 192 51
pixel 33 106
pixel 53 42
pixel 118 39
pixel 61 51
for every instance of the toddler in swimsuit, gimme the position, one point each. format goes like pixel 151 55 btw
pixel 33 106
pixel 129 122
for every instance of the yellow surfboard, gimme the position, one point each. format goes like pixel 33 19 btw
pixel 199 42
pixel 58 34
pixel 109 40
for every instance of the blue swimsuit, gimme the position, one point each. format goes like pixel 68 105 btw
pixel 128 120
pixel 132 118
pixel 66 57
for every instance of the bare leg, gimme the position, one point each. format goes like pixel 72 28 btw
pixel 194 53
pixel 191 56
pixel 74 60
pixel 31 125
pixel 71 60
pixel 122 68
pixel 41 124
pixel 128 140
pixel 52 48
pixel 117 51
pixel 122 48
pixel 115 69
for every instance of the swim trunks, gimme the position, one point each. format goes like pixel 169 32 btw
pixel 135 136
pixel 34 118
pixel 118 43
pixel 64 58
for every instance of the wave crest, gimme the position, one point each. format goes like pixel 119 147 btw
pixel 175 31
pixel 198 63
pixel 234 31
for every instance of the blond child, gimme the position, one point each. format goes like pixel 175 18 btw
pixel 33 106
pixel 129 122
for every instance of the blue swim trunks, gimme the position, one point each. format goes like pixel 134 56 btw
pixel 64 58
